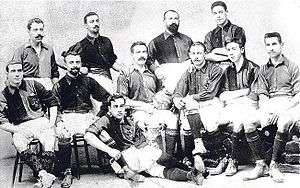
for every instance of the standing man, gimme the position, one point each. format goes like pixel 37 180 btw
pixel 196 95
pixel 96 52
pixel 225 30
pixel 171 46
pixel 21 114
pixel 137 153
pixel 73 92
pixel 279 98
pixel 37 58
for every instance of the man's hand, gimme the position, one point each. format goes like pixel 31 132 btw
pixel 273 119
pixel 114 153
pixel 178 102
pixel 84 70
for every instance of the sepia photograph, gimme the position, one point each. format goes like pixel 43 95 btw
pixel 149 93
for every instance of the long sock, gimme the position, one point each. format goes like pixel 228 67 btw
pixel 32 160
pixel 235 145
pixel 189 144
pixel 256 145
pixel 175 174
pixel 279 145
pixel 64 156
pixel 47 159
pixel 196 124
pixel 171 140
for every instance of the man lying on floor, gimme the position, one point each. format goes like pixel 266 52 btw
pixel 132 150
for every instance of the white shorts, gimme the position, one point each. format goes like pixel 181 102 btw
pixel 46 82
pixel 73 123
pixel 40 129
pixel 141 159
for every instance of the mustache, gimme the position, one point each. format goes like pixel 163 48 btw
pixel 75 68
pixel 96 26
pixel 39 36
pixel 141 58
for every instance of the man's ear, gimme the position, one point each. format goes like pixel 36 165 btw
pixel 242 50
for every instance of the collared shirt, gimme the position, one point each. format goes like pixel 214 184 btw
pixel 168 48
pixel 282 79
pixel 74 93
pixel 217 37
pixel 242 78
pixel 124 132
pixel 97 54
pixel 25 103
pixel 202 83
pixel 34 65
pixel 138 86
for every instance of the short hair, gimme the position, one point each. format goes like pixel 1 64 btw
pixel 137 43
pixel 89 14
pixel 12 63
pixel 66 53
pixel 114 97
pixel 237 40
pixel 198 43
pixel 218 3
pixel 273 34
pixel 170 11
pixel 34 20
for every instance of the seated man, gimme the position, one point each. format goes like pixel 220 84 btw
pixel 140 86
pixel 278 88
pixel 21 113
pixel 239 105
pixel 136 152
pixel 73 92
pixel 196 93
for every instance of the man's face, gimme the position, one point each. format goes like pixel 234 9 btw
pixel 92 24
pixel 73 63
pixel 140 54
pixel 234 51
pixel 172 21
pixel 219 14
pixel 197 55
pixel 273 47
pixel 117 108
pixel 15 75
pixel 36 32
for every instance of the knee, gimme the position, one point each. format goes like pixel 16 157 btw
pixel 237 127
pixel 284 126
pixel 250 127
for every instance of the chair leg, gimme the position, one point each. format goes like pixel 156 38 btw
pixel 86 149
pixel 76 158
pixel 15 169
pixel 20 171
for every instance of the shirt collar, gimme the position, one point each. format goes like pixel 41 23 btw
pixel 283 61
pixel 202 69
pixel 225 27
pixel 168 34
pixel 92 39
pixel 22 87
pixel 28 45
pixel 243 64
pixel 71 79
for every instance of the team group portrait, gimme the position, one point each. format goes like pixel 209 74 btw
pixel 149 94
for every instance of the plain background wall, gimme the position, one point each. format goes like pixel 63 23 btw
pixel 127 21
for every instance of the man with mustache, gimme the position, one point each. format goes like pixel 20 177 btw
pixel 225 30
pixel 171 46
pixel 22 114
pixel 196 94
pixel 141 88
pixel 38 58
pixel 96 52
pixel 278 88
pixel 73 92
